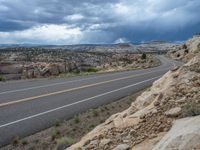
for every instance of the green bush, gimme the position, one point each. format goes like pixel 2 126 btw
pixel 2 78
pixel 15 141
pixel 63 143
pixel 57 123
pixel 184 46
pixel 91 69
pixel 144 56
pixel 186 51
pixel 129 61
pixel 56 133
pixel 76 120
pixel 95 113
pixel 24 142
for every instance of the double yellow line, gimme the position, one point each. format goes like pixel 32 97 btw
pixel 72 89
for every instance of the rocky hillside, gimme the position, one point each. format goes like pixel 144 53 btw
pixel 36 63
pixel 186 51
pixel 164 117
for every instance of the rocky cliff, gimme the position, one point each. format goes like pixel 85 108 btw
pixel 154 120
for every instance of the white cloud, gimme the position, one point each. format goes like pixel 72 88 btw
pixel 96 21
pixel 61 34
pixel 74 17
pixel 121 40
pixel 3 8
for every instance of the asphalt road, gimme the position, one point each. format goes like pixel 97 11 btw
pixel 27 107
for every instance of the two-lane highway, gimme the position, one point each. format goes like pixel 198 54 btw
pixel 32 105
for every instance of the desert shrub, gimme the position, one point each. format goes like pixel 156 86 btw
pixel 76 120
pixel 15 141
pixel 56 133
pixel 186 51
pixel 2 78
pixel 184 46
pixel 198 46
pixel 102 110
pixel 191 109
pixel 129 61
pixel 178 55
pixel 36 141
pixel 198 33
pixel 91 126
pixel 57 124
pixel 91 69
pixel 24 142
pixel 63 143
pixel 95 113
pixel 144 56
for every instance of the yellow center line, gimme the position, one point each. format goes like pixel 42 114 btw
pixel 72 89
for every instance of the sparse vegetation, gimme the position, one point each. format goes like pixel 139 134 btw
pixel 56 133
pixel 144 56
pixel 60 62
pixel 15 141
pixel 178 55
pixel 95 113
pixel 2 78
pixel 76 120
pixel 198 33
pixel 24 142
pixel 129 61
pixel 186 51
pixel 36 141
pixel 184 46
pixel 91 69
pixel 57 124
pixel 63 143
pixel 75 127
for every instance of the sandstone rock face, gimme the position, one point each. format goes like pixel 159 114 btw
pixel 152 113
pixel 40 63
pixel 9 68
pixel 186 51
pixel 184 135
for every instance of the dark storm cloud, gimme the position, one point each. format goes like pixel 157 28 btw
pixel 50 12
pixel 97 21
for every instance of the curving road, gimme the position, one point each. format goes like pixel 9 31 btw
pixel 27 107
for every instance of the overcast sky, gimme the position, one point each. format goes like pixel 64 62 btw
pixel 97 21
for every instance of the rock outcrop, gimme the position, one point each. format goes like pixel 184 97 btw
pixel 21 65
pixel 186 51
pixel 151 116
pixel 184 135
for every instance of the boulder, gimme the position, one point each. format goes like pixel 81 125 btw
pixel 184 135
pixel 122 147
pixel 104 142
pixel 174 112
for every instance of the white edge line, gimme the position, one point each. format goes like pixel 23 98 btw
pixel 61 83
pixel 84 100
